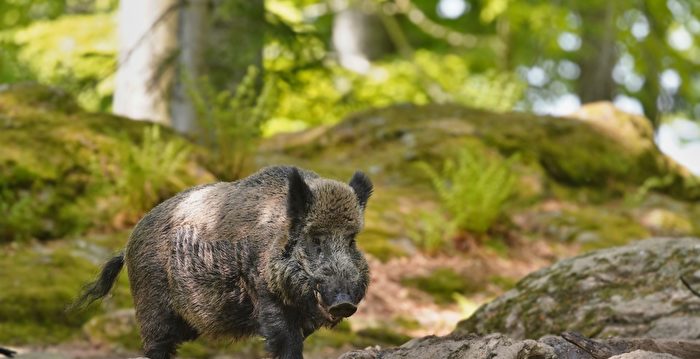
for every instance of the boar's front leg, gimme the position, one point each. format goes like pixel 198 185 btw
pixel 282 333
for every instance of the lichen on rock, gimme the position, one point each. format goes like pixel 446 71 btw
pixel 629 291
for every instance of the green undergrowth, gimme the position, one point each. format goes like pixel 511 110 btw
pixel 596 227
pixel 39 282
pixel 76 52
pixel 571 152
pixel 442 284
pixel 446 287
pixel 63 170
pixel 473 187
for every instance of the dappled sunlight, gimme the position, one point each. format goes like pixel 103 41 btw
pixel 522 176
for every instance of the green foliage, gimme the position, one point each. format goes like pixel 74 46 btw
pixel 76 53
pixel 18 13
pixel 35 212
pixel 650 184
pixel 595 227
pixel 34 301
pixel 326 95
pixel 143 175
pixel 473 187
pixel 442 284
pixel 59 166
pixel 230 124
pixel 431 231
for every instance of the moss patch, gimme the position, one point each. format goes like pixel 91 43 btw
pixel 571 151
pixel 342 335
pixel 56 160
pixel 442 284
pixel 38 284
pixel 598 227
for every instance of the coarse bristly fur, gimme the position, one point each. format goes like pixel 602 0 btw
pixel 273 254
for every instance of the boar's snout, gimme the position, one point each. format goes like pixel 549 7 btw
pixel 342 306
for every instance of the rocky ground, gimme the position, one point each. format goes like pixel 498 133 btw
pixel 585 183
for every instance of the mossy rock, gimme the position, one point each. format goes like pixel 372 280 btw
pixel 574 152
pixel 629 291
pixel 50 149
pixel 590 162
pixel 38 284
pixel 118 327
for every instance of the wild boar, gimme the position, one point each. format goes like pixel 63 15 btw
pixel 273 254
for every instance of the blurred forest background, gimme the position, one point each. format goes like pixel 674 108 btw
pixel 449 105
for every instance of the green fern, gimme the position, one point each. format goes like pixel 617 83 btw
pixel 431 231
pixel 231 123
pixel 143 174
pixel 150 172
pixel 473 188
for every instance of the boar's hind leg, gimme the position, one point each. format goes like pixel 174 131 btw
pixel 163 332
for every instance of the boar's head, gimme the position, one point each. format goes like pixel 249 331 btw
pixel 320 267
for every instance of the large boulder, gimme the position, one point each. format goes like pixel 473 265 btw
pixel 572 172
pixel 600 146
pixel 629 291
pixel 496 345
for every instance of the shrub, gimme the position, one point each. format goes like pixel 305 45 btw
pixel 473 188
pixel 230 124
pixel 76 52
pixel 431 231
pixel 143 175
pixel 442 284
pixel 324 95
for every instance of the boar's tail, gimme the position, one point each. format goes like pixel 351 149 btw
pixel 99 288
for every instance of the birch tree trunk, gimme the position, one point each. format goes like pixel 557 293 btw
pixel 147 40
pixel 168 45
pixel 359 37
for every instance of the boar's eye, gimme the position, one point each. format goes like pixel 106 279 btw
pixel 317 244
pixel 352 242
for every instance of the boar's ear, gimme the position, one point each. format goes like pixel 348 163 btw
pixel 362 186
pixel 299 198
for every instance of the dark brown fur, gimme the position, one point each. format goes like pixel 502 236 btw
pixel 267 255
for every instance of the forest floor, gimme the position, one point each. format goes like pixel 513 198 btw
pixel 398 301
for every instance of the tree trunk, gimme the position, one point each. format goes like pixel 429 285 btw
pixel 598 53
pixel 359 37
pixel 192 39
pixel 147 40
pixel 236 41
pixel 166 46
pixel 651 91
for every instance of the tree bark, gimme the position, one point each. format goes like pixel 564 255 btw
pixel 166 46
pixel 192 39
pixel 598 53
pixel 147 39
pixel 358 37
pixel 651 91
pixel 235 41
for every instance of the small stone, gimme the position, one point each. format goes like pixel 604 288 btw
pixel 642 354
